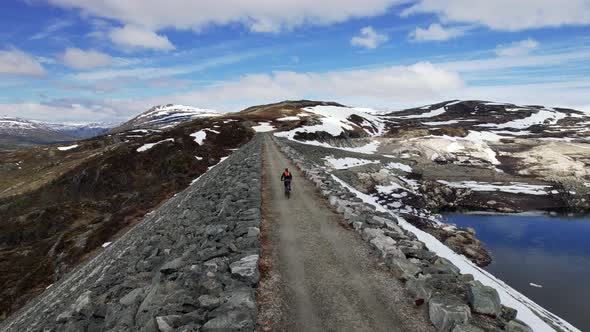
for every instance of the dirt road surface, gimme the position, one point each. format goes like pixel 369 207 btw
pixel 322 276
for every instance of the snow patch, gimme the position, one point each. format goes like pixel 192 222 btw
pixel 475 144
pixel 263 127
pixel 438 123
pixel 289 118
pixel 386 189
pixel 370 148
pixel 400 166
pixel 513 187
pixel 335 120
pixel 66 148
pixel 199 136
pixel 148 146
pixel 539 117
pixel 344 163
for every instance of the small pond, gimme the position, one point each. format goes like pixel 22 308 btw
pixel 545 258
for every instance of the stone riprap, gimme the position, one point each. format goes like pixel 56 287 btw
pixel 453 301
pixel 190 265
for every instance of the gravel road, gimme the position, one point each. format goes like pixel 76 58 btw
pixel 323 277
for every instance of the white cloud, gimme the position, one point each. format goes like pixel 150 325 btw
pixel 59 113
pixel 578 57
pixel 374 86
pixel 16 62
pixel 256 15
pixel 368 38
pixel 436 32
pixel 357 87
pixel 389 87
pixel 131 36
pixel 522 47
pixel 507 15
pixel 147 73
pixel 51 29
pixel 83 60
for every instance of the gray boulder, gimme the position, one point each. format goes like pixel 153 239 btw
pixel 403 267
pixel 483 299
pixel 208 301
pixel 357 225
pixel 446 312
pixel 83 305
pixel 167 323
pixel 64 316
pixel 132 297
pixel 508 313
pixel 394 228
pixel 172 266
pixel 253 231
pixel 386 246
pixel 371 233
pixel 230 321
pixel 246 269
pixel 419 288
pixel 517 326
pixel 467 328
pixel 377 221
pixel 446 266
pixel 240 299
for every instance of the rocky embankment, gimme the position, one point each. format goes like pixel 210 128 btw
pixel 190 265
pixel 455 302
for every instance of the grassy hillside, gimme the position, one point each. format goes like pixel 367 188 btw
pixel 58 207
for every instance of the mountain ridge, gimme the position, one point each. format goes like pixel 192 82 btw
pixel 162 117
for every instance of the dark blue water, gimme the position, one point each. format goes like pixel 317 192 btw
pixel 551 252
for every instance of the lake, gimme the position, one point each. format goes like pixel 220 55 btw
pixel 545 258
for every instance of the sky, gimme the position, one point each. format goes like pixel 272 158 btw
pixel 109 60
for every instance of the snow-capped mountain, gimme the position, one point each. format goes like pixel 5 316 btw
pixel 164 116
pixel 16 131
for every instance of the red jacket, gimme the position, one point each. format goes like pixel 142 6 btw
pixel 286 176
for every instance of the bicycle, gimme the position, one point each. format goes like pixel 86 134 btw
pixel 287 188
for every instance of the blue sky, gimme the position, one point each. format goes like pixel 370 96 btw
pixel 108 60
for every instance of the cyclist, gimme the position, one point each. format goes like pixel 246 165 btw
pixel 287 177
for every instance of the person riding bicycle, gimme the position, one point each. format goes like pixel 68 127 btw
pixel 287 177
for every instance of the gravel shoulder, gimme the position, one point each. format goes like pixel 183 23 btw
pixel 324 276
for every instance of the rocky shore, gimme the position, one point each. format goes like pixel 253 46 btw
pixel 454 301
pixel 190 265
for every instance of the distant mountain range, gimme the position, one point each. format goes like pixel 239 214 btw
pixel 15 132
pixel 19 132
pixel 81 131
